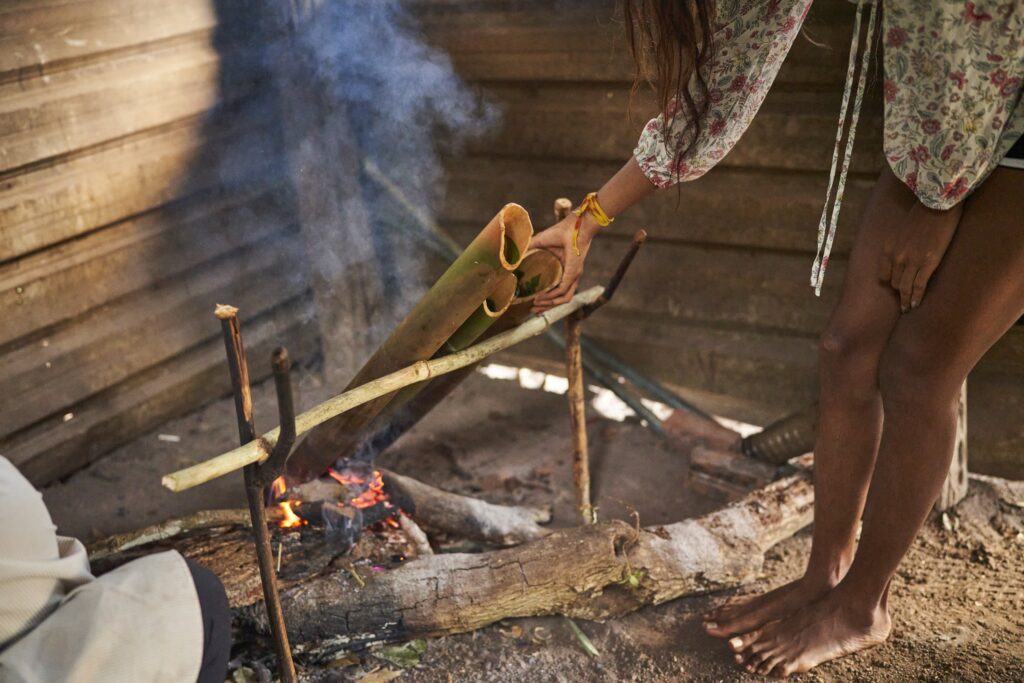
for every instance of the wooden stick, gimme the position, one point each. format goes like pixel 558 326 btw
pixel 260 448
pixel 578 416
pixel 254 488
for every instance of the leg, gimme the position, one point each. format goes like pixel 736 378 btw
pixel 975 296
pixel 850 419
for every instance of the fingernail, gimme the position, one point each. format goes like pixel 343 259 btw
pixel 710 624
pixel 738 658
pixel 913 304
pixel 736 643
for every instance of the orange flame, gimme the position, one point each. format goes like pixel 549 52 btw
pixel 290 518
pixel 372 495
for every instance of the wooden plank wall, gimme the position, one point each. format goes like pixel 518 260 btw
pixel 141 181
pixel 718 302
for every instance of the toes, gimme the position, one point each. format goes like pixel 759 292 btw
pixel 742 642
pixel 771 665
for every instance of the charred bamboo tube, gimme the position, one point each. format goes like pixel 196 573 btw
pixel 578 416
pixel 260 448
pixel 473 278
pixel 239 369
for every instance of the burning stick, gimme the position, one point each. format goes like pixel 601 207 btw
pixel 415 535
pixel 452 513
pixel 259 449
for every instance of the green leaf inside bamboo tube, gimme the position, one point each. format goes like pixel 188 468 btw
pixel 472 278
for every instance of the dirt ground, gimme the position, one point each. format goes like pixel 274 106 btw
pixel 958 600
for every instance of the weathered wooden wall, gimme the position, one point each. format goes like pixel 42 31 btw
pixel 144 176
pixel 718 302
pixel 142 180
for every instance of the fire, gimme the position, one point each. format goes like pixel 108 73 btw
pixel 371 495
pixel 290 520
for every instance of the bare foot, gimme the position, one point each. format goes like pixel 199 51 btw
pixel 749 612
pixel 835 626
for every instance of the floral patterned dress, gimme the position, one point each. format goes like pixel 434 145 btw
pixel 953 75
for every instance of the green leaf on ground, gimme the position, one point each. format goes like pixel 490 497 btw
pixel 404 655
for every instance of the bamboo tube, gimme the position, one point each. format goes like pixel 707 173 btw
pixel 540 271
pixel 473 278
pixel 259 449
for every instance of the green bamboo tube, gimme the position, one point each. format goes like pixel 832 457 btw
pixel 540 271
pixel 475 276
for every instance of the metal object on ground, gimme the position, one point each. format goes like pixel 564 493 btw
pixel 787 438
pixel 258 477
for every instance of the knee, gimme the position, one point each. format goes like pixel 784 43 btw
pixel 912 377
pixel 847 365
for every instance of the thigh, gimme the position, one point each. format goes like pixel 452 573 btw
pixel 977 292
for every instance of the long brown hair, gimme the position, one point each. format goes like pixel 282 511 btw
pixel 671 42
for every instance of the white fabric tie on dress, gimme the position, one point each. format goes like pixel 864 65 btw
pixel 827 224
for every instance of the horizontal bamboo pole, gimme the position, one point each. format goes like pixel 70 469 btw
pixel 260 448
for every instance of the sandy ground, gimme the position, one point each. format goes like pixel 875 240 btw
pixel 958 600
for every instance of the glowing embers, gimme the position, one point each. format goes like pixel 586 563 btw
pixel 369 494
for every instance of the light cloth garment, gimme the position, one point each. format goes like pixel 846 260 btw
pixel 953 73
pixel 59 624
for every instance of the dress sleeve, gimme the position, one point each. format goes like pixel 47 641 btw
pixel 750 47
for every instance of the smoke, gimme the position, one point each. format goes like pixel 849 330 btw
pixel 403 97
pixel 356 80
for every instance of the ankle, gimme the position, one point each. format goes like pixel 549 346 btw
pixel 825 576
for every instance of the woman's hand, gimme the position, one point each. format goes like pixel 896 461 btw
pixel 558 240
pixel 914 250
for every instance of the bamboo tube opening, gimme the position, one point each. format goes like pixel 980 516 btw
pixel 539 271
pixel 501 296
pixel 516 231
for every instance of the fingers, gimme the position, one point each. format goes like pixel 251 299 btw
pixel 924 274
pixel 906 286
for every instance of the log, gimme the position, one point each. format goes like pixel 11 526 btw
pixel 259 449
pixel 439 510
pixel 591 572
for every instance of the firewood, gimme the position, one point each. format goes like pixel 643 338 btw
pixel 591 572
pixel 731 466
pixel 439 510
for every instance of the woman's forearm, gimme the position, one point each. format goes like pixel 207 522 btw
pixel 624 189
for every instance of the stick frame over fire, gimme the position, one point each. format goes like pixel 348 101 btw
pixel 263 458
